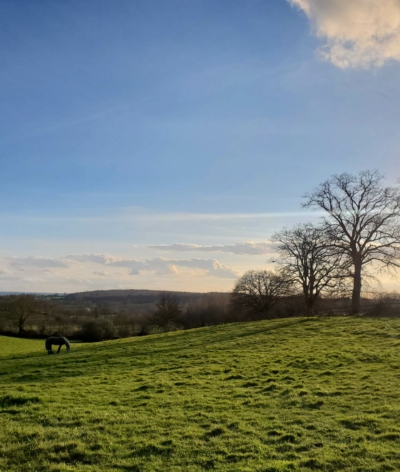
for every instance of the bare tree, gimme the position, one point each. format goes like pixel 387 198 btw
pixel 259 291
pixel 168 310
pixel 363 222
pixel 24 306
pixel 308 257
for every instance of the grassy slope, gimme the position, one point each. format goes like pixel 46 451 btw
pixel 300 394
pixel 18 345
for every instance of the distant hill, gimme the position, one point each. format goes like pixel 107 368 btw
pixel 131 296
pixel 2 294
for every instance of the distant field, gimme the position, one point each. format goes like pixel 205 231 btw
pixel 284 395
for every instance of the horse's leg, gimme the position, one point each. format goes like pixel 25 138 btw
pixel 59 349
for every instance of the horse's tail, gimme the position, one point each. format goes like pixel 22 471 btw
pixel 48 344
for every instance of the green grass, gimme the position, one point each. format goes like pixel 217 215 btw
pixel 285 395
pixel 9 345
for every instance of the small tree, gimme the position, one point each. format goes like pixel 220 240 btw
pixel 309 258
pixel 363 222
pixel 259 291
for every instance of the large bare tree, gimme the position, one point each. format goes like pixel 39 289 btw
pixel 307 255
pixel 363 222
pixel 259 291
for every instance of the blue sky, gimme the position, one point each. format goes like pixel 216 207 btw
pixel 132 124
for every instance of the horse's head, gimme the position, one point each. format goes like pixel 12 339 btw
pixel 67 344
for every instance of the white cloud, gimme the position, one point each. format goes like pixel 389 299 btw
pixel 248 248
pixel 210 266
pixel 158 265
pixel 358 33
pixel 95 258
pixel 101 272
pixel 161 266
pixel 133 265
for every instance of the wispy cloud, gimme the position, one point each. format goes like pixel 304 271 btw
pixel 215 216
pixel 35 262
pixel 143 215
pixel 245 248
pixel 358 33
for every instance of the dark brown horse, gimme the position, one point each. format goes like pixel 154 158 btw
pixel 57 341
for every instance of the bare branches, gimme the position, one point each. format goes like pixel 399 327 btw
pixel 169 309
pixel 307 254
pixel 259 291
pixel 363 221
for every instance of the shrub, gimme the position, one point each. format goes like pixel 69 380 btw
pixel 99 329
pixel 383 304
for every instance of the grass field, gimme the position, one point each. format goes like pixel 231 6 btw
pixel 285 395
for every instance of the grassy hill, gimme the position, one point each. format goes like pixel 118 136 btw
pixel 284 395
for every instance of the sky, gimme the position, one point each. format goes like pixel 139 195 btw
pixel 160 144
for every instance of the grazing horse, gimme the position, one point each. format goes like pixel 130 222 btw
pixel 58 341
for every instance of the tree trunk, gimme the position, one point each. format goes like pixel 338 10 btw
pixel 21 323
pixel 310 306
pixel 356 297
pixel 309 299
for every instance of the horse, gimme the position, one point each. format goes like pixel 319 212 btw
pixel 58 341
